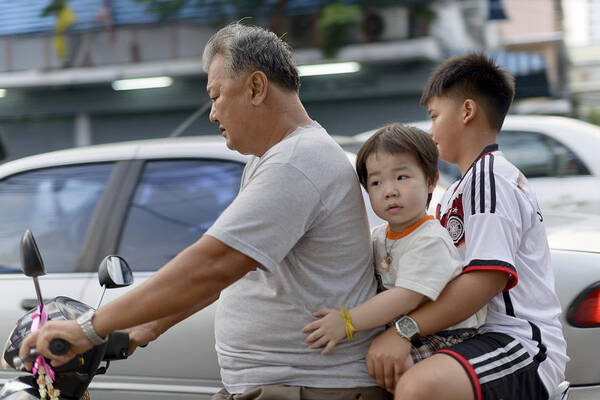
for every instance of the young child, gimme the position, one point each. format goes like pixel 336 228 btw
pixel 496 224
pixel 414 255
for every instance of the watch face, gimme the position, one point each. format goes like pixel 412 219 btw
pixel 407 327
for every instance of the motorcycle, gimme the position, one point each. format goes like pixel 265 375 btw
pixel 73 378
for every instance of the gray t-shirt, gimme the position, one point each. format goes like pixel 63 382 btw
pixel 300 214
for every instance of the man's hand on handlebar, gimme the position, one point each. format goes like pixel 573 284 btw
pixel 67 330
pixel 141 335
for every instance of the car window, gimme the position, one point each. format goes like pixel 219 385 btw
pixel 528 151
pixel 175 202
pixel 538 155
pixel 57 205
pixel 566 162
pixel 448 172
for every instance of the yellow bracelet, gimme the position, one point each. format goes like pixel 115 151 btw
pixel 348 322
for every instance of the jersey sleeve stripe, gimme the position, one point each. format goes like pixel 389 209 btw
pixel 477 262
pixel 482 186
pixel 494 265
pixel 468 369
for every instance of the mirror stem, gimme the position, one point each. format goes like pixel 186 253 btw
pixel 101 297
pixel 38 292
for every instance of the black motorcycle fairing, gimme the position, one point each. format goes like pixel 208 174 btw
pixel 73 377
pixel 60 308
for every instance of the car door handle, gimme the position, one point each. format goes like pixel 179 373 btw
pixel 28 304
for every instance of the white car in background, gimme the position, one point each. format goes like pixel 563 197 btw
pixel 146 201
pixel 558 155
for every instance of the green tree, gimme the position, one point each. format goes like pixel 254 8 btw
pixel 336 21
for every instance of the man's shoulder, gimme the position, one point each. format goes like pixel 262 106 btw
pixel 314 141
pixel 314 152
pixel 305 144
pixel 310 155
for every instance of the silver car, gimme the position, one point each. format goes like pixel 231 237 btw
pixel 557 154
pixel 146 201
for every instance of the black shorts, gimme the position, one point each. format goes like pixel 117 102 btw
pixel 499 367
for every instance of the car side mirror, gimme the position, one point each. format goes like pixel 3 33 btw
pixel 114 272
pixel 31 260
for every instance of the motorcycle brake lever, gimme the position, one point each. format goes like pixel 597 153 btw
pixel 19 362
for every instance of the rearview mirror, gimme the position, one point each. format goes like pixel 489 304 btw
pixel 114 272
pixel 31 260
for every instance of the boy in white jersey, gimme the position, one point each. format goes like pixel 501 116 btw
pixel 497 226
pixel 414 255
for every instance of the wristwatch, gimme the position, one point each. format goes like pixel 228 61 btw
pixel 407 328
pixel 85 323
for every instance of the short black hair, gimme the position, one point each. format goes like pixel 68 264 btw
pixel 397 138
pixel 473 76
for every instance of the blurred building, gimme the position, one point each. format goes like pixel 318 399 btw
pixel 536 28
pixel 524 37
pixel 582 37
pixel 51 102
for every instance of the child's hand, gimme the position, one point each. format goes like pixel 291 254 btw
pixel 327 331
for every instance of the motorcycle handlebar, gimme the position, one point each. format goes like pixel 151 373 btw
pixel 117 348
pixel 59 347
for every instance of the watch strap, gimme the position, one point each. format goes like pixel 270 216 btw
pixel 85 323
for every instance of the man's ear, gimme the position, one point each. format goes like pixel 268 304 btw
pixel 469 110
pixel 258 85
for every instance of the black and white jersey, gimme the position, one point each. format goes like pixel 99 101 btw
pixel 495 222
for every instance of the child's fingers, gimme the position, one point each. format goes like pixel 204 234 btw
pixel 322 312
pixel 313 336
pixel 310 327
pixel 330 345
pixel 322 341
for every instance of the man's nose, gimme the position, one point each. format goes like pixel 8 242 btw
pixel 212 115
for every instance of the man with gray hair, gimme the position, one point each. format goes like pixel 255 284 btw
pixel 295 239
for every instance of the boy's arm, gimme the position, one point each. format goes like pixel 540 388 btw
pixel 461 298
pixel 384 308
pixel 330 329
